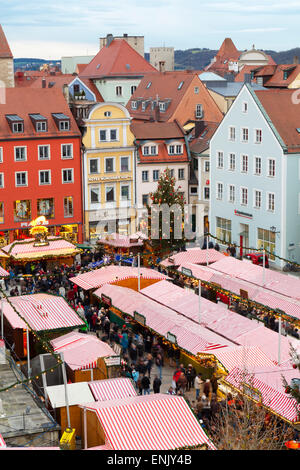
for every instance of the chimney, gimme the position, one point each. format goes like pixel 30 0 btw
pixel 109 39
pixel 43 82
pixel 199 128
pixel 296 60
pixel 66 93
pixel 125 35
pixel 162 66
pixel 156 113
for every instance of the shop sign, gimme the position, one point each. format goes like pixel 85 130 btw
pixel 172 338
pixel 243 214
pixel 112 361
pixel 244 294
pixel 186 271
pixel 139 318
pixel 106 300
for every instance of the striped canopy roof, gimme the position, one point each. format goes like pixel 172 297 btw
pixel 2 442
pixel 42 312
pixel 81 351
pixel 149 422
pixel 26 249
pixel 193 255
pixel 3 273
pixel 122 241
pixel 113 274
pixel 245 357
pixel 270 388
pixel 112 389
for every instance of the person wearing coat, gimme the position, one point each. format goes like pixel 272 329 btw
pixel 156 384
pixel 181 383
pixel 198 386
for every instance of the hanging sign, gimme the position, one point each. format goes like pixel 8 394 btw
pixel 106 300
pixel 172 338
pixel 139 318
pixel 112 361
pixel 186 271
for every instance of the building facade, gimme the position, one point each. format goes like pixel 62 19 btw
pixel 254 174
pixel 162 58
pixel 109 170
pixel 40 164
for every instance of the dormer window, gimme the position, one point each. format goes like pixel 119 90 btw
pixel 285 75
pixel 133 105
pixel 162 106
pixel 39 122
pixel 175 149
pixel 16 123
pixel 150 150
pixel 149 85
pixel 180 85
pixel 62 121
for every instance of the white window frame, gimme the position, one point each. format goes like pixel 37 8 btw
pixel 44 171
pixel 109 186
pixel 43 125
pixel 245 141
pixel 123 185
pixel 255 166
pixel 219 185
pixel 15 127
pixel 230 129
pixel 231 193
pixel 97 159
pixel 178 148
pixel 220 153
pixel 1 154
pixel 21 185
pixel 269 161
pixel 199 111
pixel 162 106
pixel 114 164
pixel 206 198
pixel 242 188
pixel 245 107
pixel 158 171
pixel 133 104
pixel 119 90
pixel 145 180
pixel 108 134
pixel 255 191
pixel 98 188
pixel 66 157
pixel 62 175
pixel 205 166
pixel 180 170
pixel 39 156
pixel 128 159
pixel 256 135
pixel 243 170
pixel 230 166
pixel 69 215
pixel 15 153
pixel 1 178
pixel 64 125
pixel 268 194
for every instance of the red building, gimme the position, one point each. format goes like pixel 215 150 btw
pixel 40 164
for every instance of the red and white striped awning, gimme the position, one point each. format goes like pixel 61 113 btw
pixel 150 422
pixel 81 351
pixel 3 273
pixel 113 274
pixel 122 241
pixel 42 312
pixel 112 389
pixel 194 256
pixel 20 249
pixel 246 358
pixel 267 387
pixel 2 442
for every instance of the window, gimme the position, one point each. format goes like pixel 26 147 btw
pixel 245 107
pixel 150 150
pixel 109 193
pixel 180 85
pixel 244 196
pixel 181 173
pixel 68 206
pixel 232 161
pixel 113 134
pixel 199 111
pixel 95 194
pixel 266 240
pixel 194 190
pixel 257 199
pixel 20 154
pixel 196 90
pixel 21 178
pixel 271 167
pixel 155 175
pixel 144 176
pixel 231 195
pixel 232 133
pixel 45 207
pixel 102 135
pixel 245 134
pixel 125 193
pixel 171 149
pixel 41 126
pixel 44 177
pixel 1 180
pixel 206 166
pixel 220 160
pixel 44 152
pixel 109 165
pixel 67 175
pixel 22 210
pixel 223 229
pixel 108 135
pixel 132 89
pixel 67 151
pixel 178 149
pixel 171 173
pixel 145 199
pixel 124 161
pixel 220 191
pixel 64 125
pixel 107 113
pixel 1 213
pixel 271 202
pixel 118 90
pixel 1 154
pixel 244 165
pixel 148 85
pixel 206 192
pixel 258 136
pixel 17 127
pixel 162 106
pixel 257 166
pixel 94 165
pixel 133 104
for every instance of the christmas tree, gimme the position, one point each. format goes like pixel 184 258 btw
pixel 168 234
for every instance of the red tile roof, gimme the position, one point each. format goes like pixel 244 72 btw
pixel 35 101
pixel 118 59
pixel 277 79
pixel 5 51
pixel 177 89
pixel 201 143
pixel 228 50
pixel 284 114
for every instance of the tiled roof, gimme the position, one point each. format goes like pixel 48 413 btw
pixel 5 51
pixel 201 143
pixel 284 115
pixel 277 79
pixel 118 59
pixel 35 101
pixel 157 130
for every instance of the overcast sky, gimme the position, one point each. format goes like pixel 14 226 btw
pixel 50 29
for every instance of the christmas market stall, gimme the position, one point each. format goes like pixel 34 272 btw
pixel 123 248
pixel 65 399
pixel 86 357
pixel 112 389
pixel 194 256
pixel 26 316
pixel 164 423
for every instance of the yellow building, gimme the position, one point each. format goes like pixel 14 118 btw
pixel 108 170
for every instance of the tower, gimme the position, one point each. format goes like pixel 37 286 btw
pixel 6 62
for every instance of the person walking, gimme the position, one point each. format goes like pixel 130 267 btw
pixel 159 364
pixel 149 364
pixel 156 384
pixel 146 384
pixel 135 375
pixel 190 375
pixel 181 383
pixel 198 385
pixel 133 352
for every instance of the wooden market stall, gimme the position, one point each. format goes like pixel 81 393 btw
pixel 127 246
pixel 87 357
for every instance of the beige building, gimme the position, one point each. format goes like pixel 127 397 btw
pixel 6 62
pixel 162 58
pixel 136 42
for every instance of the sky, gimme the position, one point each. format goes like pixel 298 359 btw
pixel 51 29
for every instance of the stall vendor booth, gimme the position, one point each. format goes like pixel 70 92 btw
pixel 86 357
pixel 123 247
pixel 45 315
